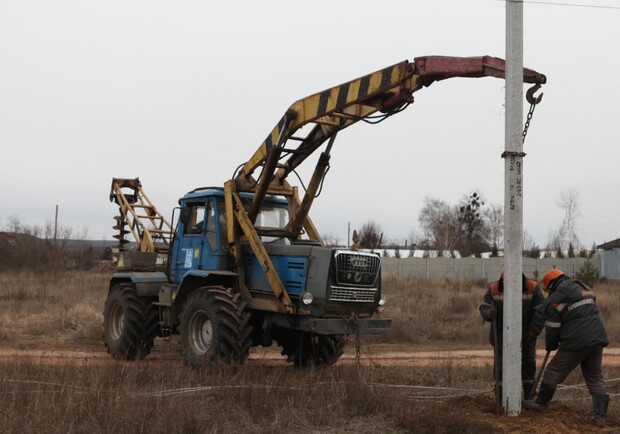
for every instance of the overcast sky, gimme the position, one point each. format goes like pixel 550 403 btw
pixel 180 93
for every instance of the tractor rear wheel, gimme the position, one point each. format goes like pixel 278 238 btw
pixel 215 327
pixel 306 349
pixel 129 323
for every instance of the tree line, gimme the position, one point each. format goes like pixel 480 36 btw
pixel 473 227
pixel 47 246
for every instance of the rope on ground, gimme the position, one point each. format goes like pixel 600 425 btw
pixel 409 386
pixel 436 397
pixel 450 396
pixel 46 383
pixel 180 391
pixel 583 385
pixel 184 390
pixel 447 392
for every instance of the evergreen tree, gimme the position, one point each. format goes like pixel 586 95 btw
pixel 494 251
pixel 588 273
pixel 534 252
pixel 571 250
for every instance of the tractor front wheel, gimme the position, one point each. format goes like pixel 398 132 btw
pixel 215 327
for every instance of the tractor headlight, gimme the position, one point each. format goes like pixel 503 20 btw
pixel 382 300
pixel 307 298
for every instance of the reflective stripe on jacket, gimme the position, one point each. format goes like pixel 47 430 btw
pixel 531 297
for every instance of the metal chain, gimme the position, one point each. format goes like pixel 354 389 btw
pixel 358 344
pixel 530 114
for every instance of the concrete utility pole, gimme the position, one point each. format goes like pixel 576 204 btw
pixel 349 234
pixel 513 209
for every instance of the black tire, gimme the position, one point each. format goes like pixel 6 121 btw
pixel 129 323
pixel 306 349
pixel 215 327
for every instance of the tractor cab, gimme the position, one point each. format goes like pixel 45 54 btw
pixel 200 237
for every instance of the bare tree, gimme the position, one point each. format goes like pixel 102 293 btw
pixel 48 231
pixel 441 224
pixel 553 240
pixel 413 239
pixel 475 231
pixel 14 224
pixel 530 248
pixel 371 235
pixel 331 239
pixel 494 218
pixel 569 202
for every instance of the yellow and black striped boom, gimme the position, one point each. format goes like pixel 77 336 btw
pixel 370 98
pixel 388 91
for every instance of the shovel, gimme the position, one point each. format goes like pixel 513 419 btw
pixel 498 393
pixel 538 377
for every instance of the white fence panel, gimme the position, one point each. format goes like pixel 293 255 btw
pixel 488 269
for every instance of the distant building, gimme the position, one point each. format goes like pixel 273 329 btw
pixel 8 244
pixel 16 249
pixel 610 259
pixel 615 244
pixel 11 242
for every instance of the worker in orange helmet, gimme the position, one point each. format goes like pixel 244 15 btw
pixel 574 327
pixel 492 310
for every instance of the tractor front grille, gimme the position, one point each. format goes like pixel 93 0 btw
pixel 356 269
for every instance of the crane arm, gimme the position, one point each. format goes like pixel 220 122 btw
pixel 435 68
pixel 388 90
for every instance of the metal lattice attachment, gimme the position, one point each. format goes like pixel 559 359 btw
pixel 138 216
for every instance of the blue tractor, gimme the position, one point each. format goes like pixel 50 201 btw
pixel 189 284
pixel 244 264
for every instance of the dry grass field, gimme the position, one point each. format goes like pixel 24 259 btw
pixel 63 311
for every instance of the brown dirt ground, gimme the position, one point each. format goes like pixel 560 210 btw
pixel 559 420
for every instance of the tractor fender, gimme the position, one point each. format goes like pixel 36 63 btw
pixel 147 283
pixel 194 279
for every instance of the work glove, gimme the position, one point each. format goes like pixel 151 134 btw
pixel 551 345
pixel 532 335
pixel 491 313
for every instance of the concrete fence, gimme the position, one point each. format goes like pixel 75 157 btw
pixel 487 269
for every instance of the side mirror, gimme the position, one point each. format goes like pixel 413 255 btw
pixel 186 214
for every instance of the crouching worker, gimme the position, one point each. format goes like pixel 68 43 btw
pixel 492 310
pixel 574 327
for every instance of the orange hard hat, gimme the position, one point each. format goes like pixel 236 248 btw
pixel 550 276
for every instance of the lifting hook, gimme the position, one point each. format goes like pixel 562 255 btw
pixel 530 94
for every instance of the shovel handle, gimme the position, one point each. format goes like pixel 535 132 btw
pixel 496 368
pixel 540 372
